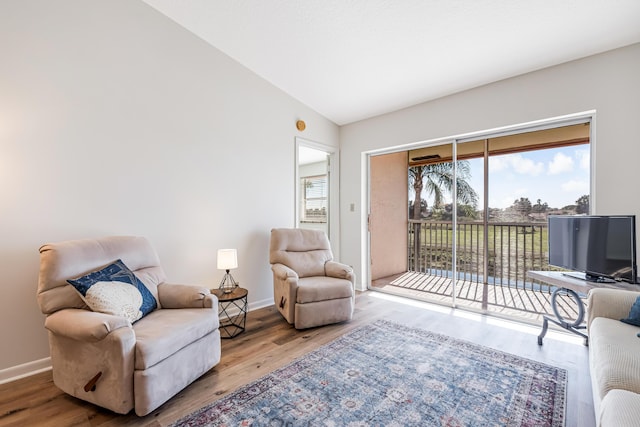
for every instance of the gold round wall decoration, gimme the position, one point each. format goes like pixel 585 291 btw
pixel 301 125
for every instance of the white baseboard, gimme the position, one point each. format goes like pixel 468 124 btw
pixel 25 370
pixel 234 311
pixel 261 304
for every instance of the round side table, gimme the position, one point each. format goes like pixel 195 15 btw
pixel 232 310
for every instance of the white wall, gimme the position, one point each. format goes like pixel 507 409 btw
pixel 608 83
pixel 115 120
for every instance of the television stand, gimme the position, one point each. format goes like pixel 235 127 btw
pixel 567 283
pixel 587 277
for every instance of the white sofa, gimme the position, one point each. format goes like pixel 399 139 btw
pixel 614 358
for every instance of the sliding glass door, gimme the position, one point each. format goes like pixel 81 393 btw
pixel 520 180
pixel 432 173
pixel 503 188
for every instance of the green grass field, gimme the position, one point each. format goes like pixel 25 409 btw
pixel 512 248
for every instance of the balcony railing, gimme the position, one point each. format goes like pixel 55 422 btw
pixel 493 261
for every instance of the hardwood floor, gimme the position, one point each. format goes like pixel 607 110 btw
pixel 269 342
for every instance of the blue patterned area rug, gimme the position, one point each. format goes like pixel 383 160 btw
pixel 386 374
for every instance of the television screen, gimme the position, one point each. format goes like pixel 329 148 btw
pixel 602 247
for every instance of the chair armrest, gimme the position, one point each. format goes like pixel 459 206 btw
pixel 283 272
pixel 185 296
pixel 339 270
pixel 84 325
pixel 285 289
pixel 610 303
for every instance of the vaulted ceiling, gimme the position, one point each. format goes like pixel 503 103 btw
pixel 350 60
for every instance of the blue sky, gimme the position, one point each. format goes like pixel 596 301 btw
pixel 557 176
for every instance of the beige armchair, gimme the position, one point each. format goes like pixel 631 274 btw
pixel 105 358
pixel 310 289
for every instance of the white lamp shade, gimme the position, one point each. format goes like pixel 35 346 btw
pixel 227 259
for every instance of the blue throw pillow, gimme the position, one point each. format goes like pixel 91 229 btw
pixel 634 314
pixel 115 290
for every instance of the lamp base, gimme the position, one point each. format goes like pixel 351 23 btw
pixel 228 284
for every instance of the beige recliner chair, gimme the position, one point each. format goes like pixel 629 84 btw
pixel 104 358
pixel 310 289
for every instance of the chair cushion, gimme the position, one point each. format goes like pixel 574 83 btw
pixel 166 331
pixel 65 260
pixel 620 408
pixel 613 355
pixel 304 251
pixel 322 288
pixel 115 290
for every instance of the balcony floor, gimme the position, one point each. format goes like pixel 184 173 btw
pixel 525 305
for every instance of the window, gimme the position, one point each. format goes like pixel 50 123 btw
pixel 314 198
pixel 528 176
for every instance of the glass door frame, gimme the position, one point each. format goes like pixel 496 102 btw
pixel 333 168
pixel 567 120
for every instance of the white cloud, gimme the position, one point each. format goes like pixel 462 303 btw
pixel 525 166
pixel 517 163
pixel 507 201
pixel 504 203
pixel 584 159
pixel 498 163
pixel 581 187
pixel 560 163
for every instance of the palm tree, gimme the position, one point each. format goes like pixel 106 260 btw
pixel 437 179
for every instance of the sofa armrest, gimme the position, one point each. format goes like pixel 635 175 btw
pixel 339 270
pixel 84 325
pixel 610 303
pixel 185 296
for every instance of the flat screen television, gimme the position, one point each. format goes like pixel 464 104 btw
pixel 601 247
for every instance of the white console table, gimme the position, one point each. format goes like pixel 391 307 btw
pixel 573 287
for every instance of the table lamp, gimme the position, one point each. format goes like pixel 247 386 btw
pixel 227 260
